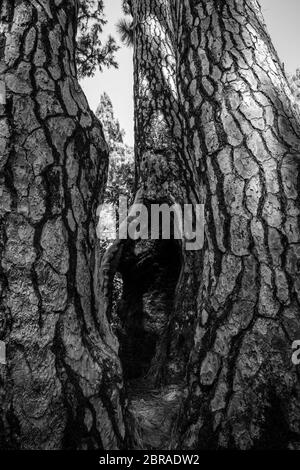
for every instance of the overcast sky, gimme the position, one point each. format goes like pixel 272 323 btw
pixel 282 18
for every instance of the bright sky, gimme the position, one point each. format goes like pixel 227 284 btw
pixel 282 18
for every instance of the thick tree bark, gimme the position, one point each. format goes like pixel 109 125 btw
pixel 215 125
pixel 243 388
pixel 61 385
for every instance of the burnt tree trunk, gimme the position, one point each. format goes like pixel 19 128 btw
pixel 60 387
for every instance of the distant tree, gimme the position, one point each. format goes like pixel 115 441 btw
pixel 120 183
pixel 121 167
pixel 111 126
pixel 92 53
pixel 120 174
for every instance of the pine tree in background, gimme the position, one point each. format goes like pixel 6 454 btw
pixel 121 162
pixel 111 126
pixel 120 183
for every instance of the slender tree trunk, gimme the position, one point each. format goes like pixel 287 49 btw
pixel 150 268
pixel 60 387
pixel 153 301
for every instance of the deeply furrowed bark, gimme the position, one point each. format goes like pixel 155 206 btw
pixel 60 387
pixel 243 388
pixel 211 94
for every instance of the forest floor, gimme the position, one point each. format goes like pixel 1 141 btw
pixel 155 412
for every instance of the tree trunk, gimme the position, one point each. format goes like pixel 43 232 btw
pixel 243 387
pixel 151 268
pixel 60 387
pixel 215 125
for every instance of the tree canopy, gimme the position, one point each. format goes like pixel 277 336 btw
pixel 92 51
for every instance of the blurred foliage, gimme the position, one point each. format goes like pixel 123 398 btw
pixel 92 52
pixel 127 6
pixel 125 25
pixel 125 30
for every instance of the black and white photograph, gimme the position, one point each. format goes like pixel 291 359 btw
pixel 149 229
